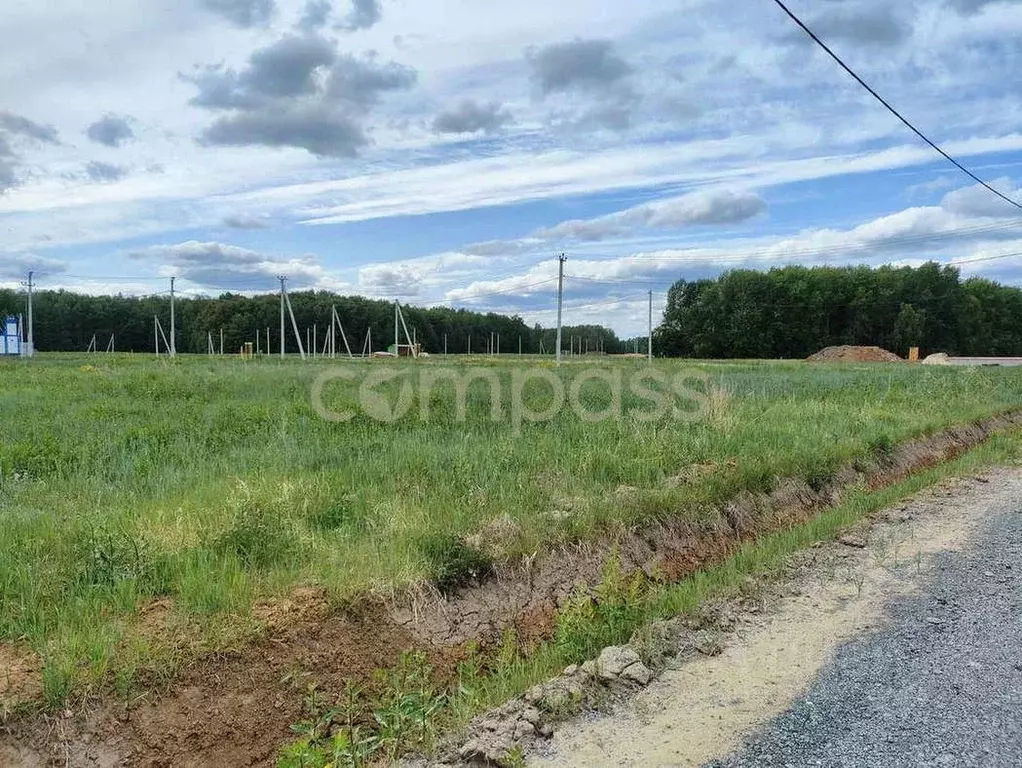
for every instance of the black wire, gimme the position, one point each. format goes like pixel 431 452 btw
pixel 891 109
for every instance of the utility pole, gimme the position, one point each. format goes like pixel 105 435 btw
pixel 283 279
pixel 31 329
pixel 650 338
pixel 397 337
pixel 173 344
pixel 560 300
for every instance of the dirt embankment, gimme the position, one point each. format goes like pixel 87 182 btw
pixel 237 709
pixel 527 595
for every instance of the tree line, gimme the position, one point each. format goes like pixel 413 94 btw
pixel 787 312
pixel 791 312
pixel 64 321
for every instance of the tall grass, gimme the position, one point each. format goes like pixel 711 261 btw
pixel 214 482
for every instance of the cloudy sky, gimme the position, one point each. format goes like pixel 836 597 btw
pixel 444 151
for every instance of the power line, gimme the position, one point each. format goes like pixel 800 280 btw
pixel 108 278
pixel 891 109
pixel 505 291
pixel 609 303
pixel 623 281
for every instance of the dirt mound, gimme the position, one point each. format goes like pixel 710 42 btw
pixel 849 354
pixel 939 358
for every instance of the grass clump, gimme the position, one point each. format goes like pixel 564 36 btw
pixel 113 555
pixel 452 562
pixel 335 514
pixel 258 536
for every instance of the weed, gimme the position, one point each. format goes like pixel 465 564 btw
pixel 588 624
pixel 112 555
pixel 258 537
pixel 406 708
pixel 515 758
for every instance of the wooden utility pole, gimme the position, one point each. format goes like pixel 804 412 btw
pixel 283 279
pixel 649 354
pixel 560 299
pixel 173 343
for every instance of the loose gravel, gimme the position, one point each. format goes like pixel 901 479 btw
pixel 939 685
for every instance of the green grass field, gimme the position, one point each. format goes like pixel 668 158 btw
pixel 215 482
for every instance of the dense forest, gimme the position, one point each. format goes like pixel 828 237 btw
pixel 791 312
pixel 65 321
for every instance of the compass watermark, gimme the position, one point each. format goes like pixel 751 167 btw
pixel 516 396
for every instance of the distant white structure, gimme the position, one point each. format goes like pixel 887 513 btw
pixel 10 341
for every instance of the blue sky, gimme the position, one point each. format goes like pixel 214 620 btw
pixel 443 151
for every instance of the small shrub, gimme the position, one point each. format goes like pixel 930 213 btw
pixel 407 709
pixel 587 624
pixel 452 561
pixel 258 537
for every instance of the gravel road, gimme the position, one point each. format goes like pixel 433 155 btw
pixel 901 648
pixel 939 685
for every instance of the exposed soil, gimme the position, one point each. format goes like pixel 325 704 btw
pixel 850 354
pixel 237 709
pixel 20 676
pixel 232 709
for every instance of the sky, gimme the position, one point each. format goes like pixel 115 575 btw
pixel 444 152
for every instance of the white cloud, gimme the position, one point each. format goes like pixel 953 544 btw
pixel 220 266
pixel 697 208
pixel 16 266
pixel 979 201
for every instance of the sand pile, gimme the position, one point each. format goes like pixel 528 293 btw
pixel 939 358
pixel 849 354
